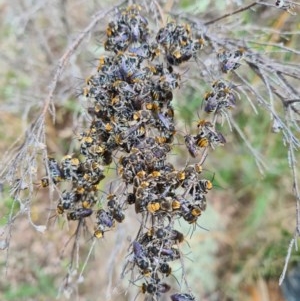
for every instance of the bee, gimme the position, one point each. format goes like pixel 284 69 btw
pixel 140 176
pixel 44 182
pixel 175 53
pixel 149 142
pixel 288 6
pixel 164 36
pixel 154 51
pixel 131 198
pixel 200 201
pixel 196 211
pixel 153 207
pixel 165 269
pixel 160 233
pixel 126 174
pixel 168 168
pixel 170 254
pixel 123 88
pixel 211 102
pixel 175 177
pixel 140 258
pixel 189 217
pixel 205 185
pixel 229 60
pixel 228 65
pixel 182 297
pixel 112 28
pixel 164 121
pixel 158 152
pixel 138 130
pixel 207 135
pixel 143 115
pixel 68 200
pixel 219 138
pixel 69 167
pixel 238 54
pixel 118 215
pixel 177 236
pixel 155 288
pixel 169 81
pixel 90 80
pixel 109 31
pixel 141 200
pixel 231 99
pixel 146 238
pixel 279 3
pixel 79 214
pixel 219 85
pixel 103 61
pixel 201 140
pixel 86 92
pixel 177 57
pixel 225 94
pixel 86 143
pixel 198 191
pixel 135 30
pixel 138 250
pixel 191 146
pixel 160 139
pixel 106 157
pixel 148 288
pixel 104 220
pixel 176 204
pixel 198 44
pixel 202 123
pixel 144 185
pixel 165 204
pixel 155 174
pixel 142 51
pixel 98 233
pixel 80 186
pixel 59 209
pixel 109 44
pixel 55 171
pixel 89 202
pixel 96 151
pixel 115 209
pixel 109 127
pixel 134 9
pixel 197 168
pixel 124 161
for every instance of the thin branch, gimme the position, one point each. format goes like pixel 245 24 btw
pixel 258 159
pixel 287 259
pixel 232 13
pixel 66 56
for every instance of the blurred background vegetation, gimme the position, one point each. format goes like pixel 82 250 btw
pixel 250 216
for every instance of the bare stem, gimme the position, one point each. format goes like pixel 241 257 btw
pixel 231 14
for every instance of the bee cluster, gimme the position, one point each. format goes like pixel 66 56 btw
pixel 177 43
pixel 288 6
pixel 221 98
pixel 132 123
pixel 84 176
pixel 230 60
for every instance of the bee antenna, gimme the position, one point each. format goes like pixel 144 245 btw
pixel 203 228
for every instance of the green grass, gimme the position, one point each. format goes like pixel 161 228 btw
pixel 8 206
pixel 43 289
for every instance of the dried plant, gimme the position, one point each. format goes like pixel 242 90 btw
pixel 155 56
